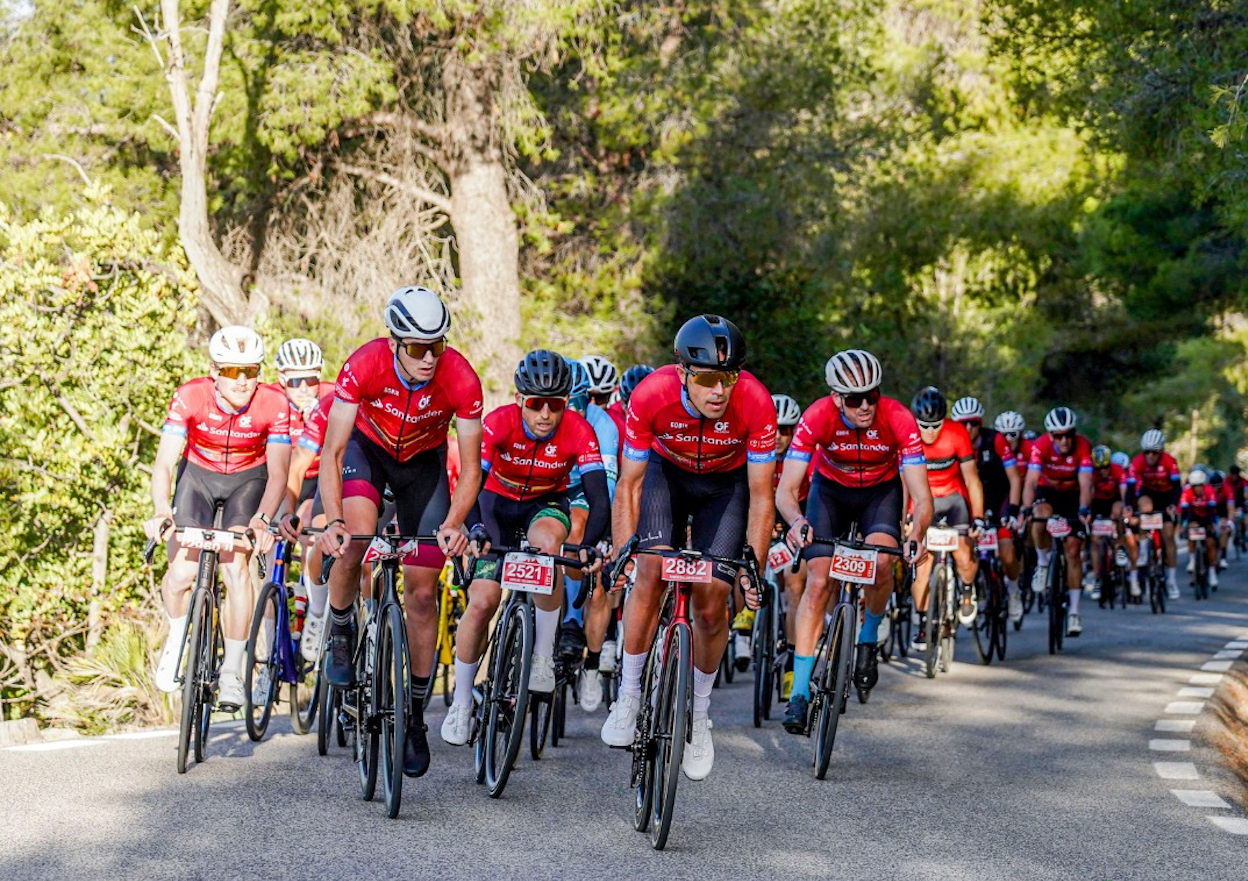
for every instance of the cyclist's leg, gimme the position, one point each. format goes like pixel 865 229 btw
pixel 240 588
pixel 548 531
pixel 823 511
pixel 1043 543
pixel 572 636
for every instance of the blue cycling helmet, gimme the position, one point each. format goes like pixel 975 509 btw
pixel 578 398
pixel 1121 459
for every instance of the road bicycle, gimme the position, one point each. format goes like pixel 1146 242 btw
pixel 942 598
pixel 989 628
pixel 1057 593
pixel 768 647
pixel 1197 536
pixel 1152 569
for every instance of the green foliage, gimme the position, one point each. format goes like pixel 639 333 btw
pixel 94 315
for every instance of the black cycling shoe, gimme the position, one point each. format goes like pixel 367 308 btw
pixel 416 749
pixel 572 639
pixel 866 667
pixel 340 655
pixel 795 714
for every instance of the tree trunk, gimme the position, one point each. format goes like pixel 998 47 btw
pixel 486 235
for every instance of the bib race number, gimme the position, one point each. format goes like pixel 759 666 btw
pixel 691 571
pixel 208 539
pixel 529 573
pixel 779 556
pixel 856 565
pixel 1152 522
pixel 940 538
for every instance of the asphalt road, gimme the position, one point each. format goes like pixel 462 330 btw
pixel 1040 768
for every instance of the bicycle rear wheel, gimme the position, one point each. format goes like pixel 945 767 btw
pixel 198 663
pixel 935 621
pixel 391 683
pixel 833 688
pixel 262 663
pixel 541 713
pixel 328 701
pixel 1057 608
pixel 999 603
pixel 367 713
pixel 671 728
pixel 509 699
pixel 764 652
pixel 982 626
pixel 645 745
pixel 305 696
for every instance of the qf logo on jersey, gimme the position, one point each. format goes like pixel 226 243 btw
pixel 873 434
pixel 552 450
pixel 424 401
pixel 244 421
pixel 721 427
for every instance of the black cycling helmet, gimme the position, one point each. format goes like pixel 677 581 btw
pixel 543 372
pixel 929 405
pixel 631 378
pixel 710 341
pixel 1216 478
pixel 1234 469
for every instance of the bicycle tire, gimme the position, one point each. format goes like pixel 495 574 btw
pixel 981 627
pixel 949 625
pixel 541 713
pixel 305 696
pixel 192 690
pixel 509 701
pixel 1057 584
pixel 559 712
pixel 763 653
pixel 367 734
pixel 209 674
pixel 675 710
pixel 1000 604
pixel 392 684
pixel 935 622
pixel 327 700
pixel 644 750
pixel 258 716
pixel 905 612
pixel 833 688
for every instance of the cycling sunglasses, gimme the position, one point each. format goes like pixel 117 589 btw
pixel 296 381
pixel 712 378
pixel 1065 435
pixel 537 402
pixel 417 351
pixel 930 426
pixel 234 371
pixel 854 400
pixel 1013 435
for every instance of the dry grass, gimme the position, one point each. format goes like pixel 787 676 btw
pixel 1230 732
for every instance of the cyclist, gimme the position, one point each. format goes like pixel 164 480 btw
pixel 630 380
pixel 236 436
pixel 577 636
pixel 1226 514
pixel 957 498
pixel 700 442
pixel 529 452
pixel 1110 491
pixel 603 379
pixel 1236 482
pixel 1003 484
pixel 1198 506
pixel 870 447
pixel 393 404
pixel 1059 484
pixel 1158 485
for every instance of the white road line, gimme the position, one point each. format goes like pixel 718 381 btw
pixel 54 746
pixel 1232 654
pixel 1233 825
pixel 143 735
pixel 1186 706
pixel 1169 746
pixel 1206 679
pixel 1196 692
pixel 1200 798
pixel 1176 770
pixel 1237 645
pixel 1216 667
pixel 1175 726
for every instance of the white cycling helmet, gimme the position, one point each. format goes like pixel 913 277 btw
pixel 966 408
pixel 236 345
pixel 1153 441
pixel 1060 419
pixel 603 377
pixel 787 411
pixel 1197 477
pixel 417 313
pixel 853 372
pixel 1009 422
pixel 299 356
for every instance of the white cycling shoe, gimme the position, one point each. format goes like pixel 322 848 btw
pixel 620 729
pixel 589 690
pixel 542 674
pixel 313 635
pixel 457 724
pixel 699 752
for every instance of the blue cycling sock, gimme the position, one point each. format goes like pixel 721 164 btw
pixel 870 631
pixel 573 588
pixel 803 667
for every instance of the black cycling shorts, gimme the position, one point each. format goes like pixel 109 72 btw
pixel 953 508
pixel 1103 508
pixel 200 490
pixel 421 488
pixel 719 503
pixel 507 521
pixel 1159 500
pixel 306 490
pixel 833 508
pixel 1064 502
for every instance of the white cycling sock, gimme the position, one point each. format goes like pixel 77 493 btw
pixel 1074 601
pixel 545 632
pixel 177 628
pixel 1042 557
pixel 1171 573
pixel 630 674
pixel 318 596
pixel 1011 586
pixel 703 685
pixel 235 649
pixel 465 676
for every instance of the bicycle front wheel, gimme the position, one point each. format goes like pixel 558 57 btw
pixel 672 724
pixel 262 674
pixel 833 687
pixel 391 688
pixel 764 651
pixel 935 621
pixel 982 626
pixel 328 701
pixel 1057 608
pixel 194 685
pixel 367 731
pixel 509 699
pixel 644 746
pixel 541 710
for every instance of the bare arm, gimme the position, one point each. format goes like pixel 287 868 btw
pixel 1016 485
pixel 1029 487
pixel 974 488
pixel 627 507
pixel 301 459
pixel 786 495
pixel 1085 489
pixel 168 455
pixel 468 436
pixel 915 479
pixel 762 516
pixel 333 451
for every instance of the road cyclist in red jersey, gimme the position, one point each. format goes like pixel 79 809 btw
pixel 957 499
pixel 700 443
pixel 394 402
pixel 1110 487
pixel 1158 484
pixel 618 409
pixel 1198 506
pixel 604 379
pixel 865 447
pixel 1059 483
pixel 1226 514
pixel 236 438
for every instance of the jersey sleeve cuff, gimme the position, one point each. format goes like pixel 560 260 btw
pixel 760 458
pixel 635 455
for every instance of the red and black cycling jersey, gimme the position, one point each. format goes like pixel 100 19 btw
pixel 619 415
pixel 1236 486
pixel 313 436
pixel 223 440
pixel 1109 484
pixel 1163 481
pixel 521 467
pixel 858 457
pixel 944 458
pixel 298 418
pixel 404 418
pixel 1198 504
pixel 1061 471
pixel 992 457
pixel 662 420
